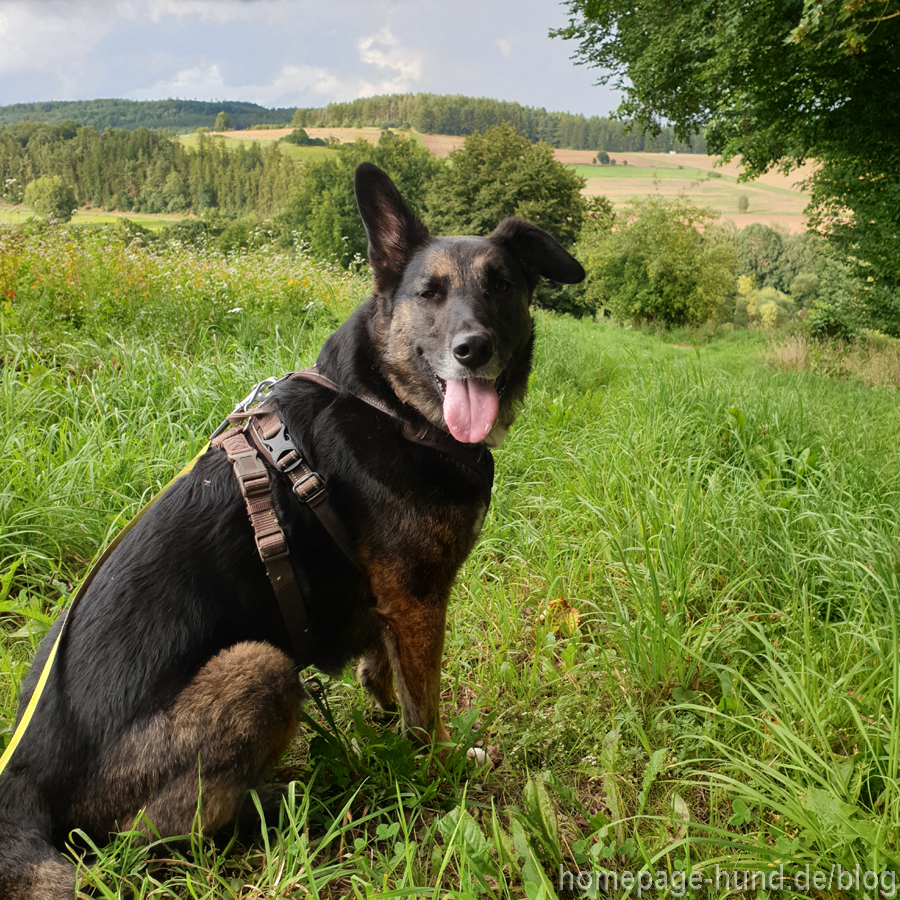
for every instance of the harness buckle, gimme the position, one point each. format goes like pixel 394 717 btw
pixel 310 487
pixel 283 452
pixel 252 475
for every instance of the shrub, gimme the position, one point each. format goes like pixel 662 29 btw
pixel 663 264
pixel 300 137
pixel 51 197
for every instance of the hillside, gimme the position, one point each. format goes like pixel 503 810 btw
pixel 176 115
pixel 436 114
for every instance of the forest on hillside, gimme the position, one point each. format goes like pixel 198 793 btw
pixel 427 113
pixel 460 115
pixel 145 171
pixel 175 115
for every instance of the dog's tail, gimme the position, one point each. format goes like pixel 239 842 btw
pixel 31 868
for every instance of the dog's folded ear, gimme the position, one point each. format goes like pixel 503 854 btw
pixel 539 254
pixel 393 230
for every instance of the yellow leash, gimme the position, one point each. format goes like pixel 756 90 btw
pixel 82 589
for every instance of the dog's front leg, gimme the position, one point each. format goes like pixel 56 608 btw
pixel 414 642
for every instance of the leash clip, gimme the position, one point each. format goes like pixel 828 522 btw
pixel 260 393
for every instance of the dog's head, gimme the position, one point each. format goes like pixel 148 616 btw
pixel 453 323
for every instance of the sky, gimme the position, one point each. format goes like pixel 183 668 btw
pixel 292 52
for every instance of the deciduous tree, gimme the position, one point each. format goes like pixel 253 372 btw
pixel 778 83
pixel 498 174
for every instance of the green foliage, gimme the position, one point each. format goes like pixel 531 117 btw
pixel 49 196
pixel 743 203
pixel 603 158
pixel 766 307
pixel 806 267
pixel 499 174
pixel 778 84
pixel 145 171
pixel 174 115
pixel 223 121
pixel 663 263
pixel 299 137
pixel 323 212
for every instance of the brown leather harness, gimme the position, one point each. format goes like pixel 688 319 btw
pixel 258 436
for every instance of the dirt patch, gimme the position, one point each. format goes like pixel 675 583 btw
pixel 442 145
pixel 586 158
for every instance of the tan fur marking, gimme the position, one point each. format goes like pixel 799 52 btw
pixel 414 642
pixel 224 730
pixel 53 879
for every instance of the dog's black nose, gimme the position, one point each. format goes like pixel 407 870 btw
pixel 473 348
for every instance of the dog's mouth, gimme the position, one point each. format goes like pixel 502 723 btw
pixel 470 405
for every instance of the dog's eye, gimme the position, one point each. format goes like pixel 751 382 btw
pixel 501 286
pixel 428 295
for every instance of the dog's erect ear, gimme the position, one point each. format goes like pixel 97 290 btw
pixel 539 254
pixel 394 231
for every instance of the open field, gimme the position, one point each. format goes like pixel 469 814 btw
pixel 18 215
pixel 774 198
pixel 248 138
pixel 678 636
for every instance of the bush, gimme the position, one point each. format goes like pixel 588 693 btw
pixel 51 197
pixel 323 213
pixel 299 137
pixel 665 264
pixel 764 307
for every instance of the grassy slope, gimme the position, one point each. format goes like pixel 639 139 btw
pixel 721 683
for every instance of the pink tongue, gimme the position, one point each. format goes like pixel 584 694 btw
pixel 470 408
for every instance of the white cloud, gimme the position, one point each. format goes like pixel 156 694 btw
pixel 505 46
pixel 403 61
pixel 215 12
pixel 290 85
pixel 52 38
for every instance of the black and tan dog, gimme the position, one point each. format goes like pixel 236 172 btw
pixel 176 670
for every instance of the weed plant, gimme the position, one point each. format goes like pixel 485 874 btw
pixel 678 636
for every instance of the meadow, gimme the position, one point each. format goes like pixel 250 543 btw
pixel 774 199
pixel 678 637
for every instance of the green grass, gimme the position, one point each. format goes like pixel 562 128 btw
pixel 647 173
pixel 292 150
pixel 20 216
pixel 678 635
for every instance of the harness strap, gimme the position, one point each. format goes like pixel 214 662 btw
pixel 267 432
pixel 253 478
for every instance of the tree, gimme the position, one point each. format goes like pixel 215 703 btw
pixel 323 210
pixel 778 83
pixel 223 122
pixel 51 197
pixel 603 158
pixel 499 174
pixel 662 263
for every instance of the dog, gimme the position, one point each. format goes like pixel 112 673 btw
pixel 176 683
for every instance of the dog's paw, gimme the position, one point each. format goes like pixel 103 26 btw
pixel 378 685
